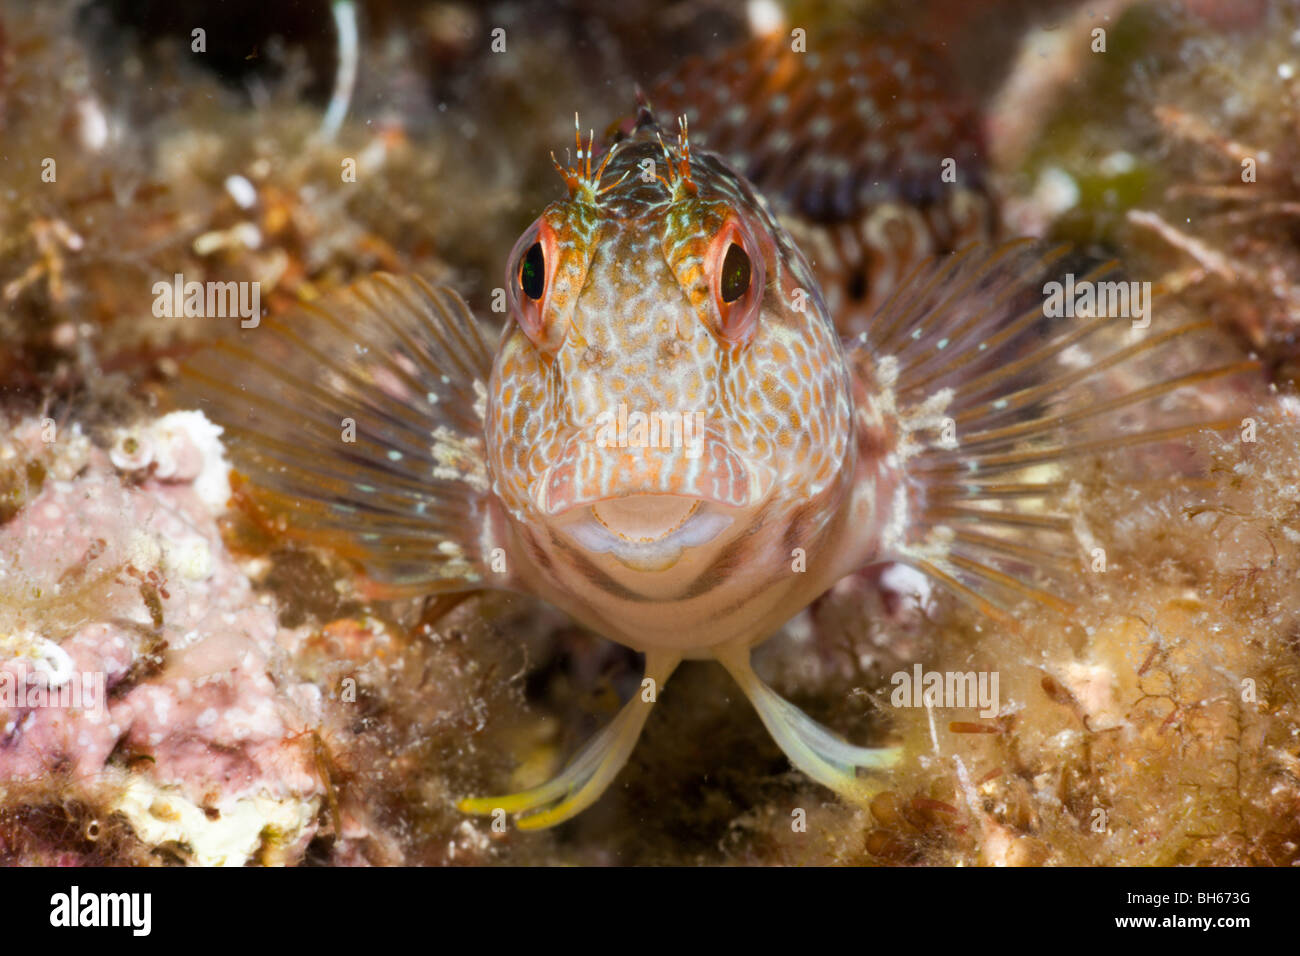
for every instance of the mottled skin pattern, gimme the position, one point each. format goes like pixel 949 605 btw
pixel 631 314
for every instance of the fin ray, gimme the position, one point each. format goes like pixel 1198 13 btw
pixel 994 396
pixel 358 417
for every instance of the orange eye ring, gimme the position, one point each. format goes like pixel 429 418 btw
pixel 529 278
pixel 737 278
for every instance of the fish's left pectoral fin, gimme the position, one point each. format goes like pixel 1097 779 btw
pixel 357 420
pixel 997 403
pixel 816 750
pixel 586 776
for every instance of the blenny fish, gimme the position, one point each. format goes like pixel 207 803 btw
pixel 673 443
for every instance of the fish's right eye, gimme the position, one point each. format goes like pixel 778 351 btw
pixel 530 278
pixel 532 272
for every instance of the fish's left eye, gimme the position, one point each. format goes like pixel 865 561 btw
pixel 735 271
pixel 734 281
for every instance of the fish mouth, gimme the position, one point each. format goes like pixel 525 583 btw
pixel 646 532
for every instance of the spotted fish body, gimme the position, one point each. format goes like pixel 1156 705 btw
pixel 672 443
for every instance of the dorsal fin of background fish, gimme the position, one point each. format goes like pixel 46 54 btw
pixel 849 142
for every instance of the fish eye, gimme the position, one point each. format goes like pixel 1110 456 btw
pixel 530 280
pixel 532 272
pixel 734 281
pixel 735 269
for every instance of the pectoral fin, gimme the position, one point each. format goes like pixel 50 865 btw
pixel 358 419
pixel 998 400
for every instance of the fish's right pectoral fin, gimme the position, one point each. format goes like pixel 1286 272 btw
pixel 587 775
pixel 358 421
pixel 816 750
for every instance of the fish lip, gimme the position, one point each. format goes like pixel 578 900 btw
pixel 702 523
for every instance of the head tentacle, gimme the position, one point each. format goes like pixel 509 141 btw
pixel 583 184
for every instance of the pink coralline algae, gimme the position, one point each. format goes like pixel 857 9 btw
pixel 129 589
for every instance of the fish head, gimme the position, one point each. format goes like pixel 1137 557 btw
pixel 669 375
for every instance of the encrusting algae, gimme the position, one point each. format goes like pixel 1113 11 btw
pixel 751 386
